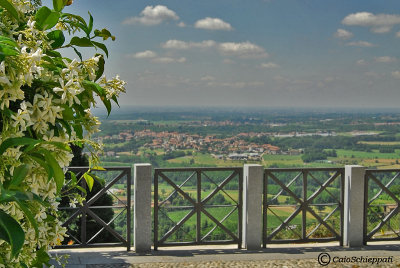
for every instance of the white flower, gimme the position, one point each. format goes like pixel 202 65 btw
pixel 22 118
pixel 37 56
pixel 31 24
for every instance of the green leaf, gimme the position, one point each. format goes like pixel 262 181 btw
pixel 100 64
pixel 73 177
pixel 89 181
pixel 38 158
pixel 58 5
pixel 97 178
pixel 59 145
pixel 81 42
pixel 81 189
pixel 53 53
pixel 114 98
pixel 11 232
pixel 7 50
pixel 78 53
pixel 10 142
pixel 101 46
pixel 19 175
pixel 104 33
pixel 100 91
pixel 107 104
pixel 46 19
pixel 89 85
pixel 8 41
pixel 10 8
pixel 90 27
pixel 68 113
pixel 42 257
pixel 57 171
pixel 11 195
pixel 65 125
pixel 98 168
pixel 78 18
pixel 79 130
pixel 80 22
pixel 58 37
pixel 23 205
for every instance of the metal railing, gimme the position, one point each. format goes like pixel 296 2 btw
pixel 303 205
pixel 81 215
pixel 382 205
pixel 193 214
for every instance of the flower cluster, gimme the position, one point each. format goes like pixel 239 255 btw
pixel 45 102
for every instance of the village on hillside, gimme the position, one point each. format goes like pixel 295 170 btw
pixel 235 147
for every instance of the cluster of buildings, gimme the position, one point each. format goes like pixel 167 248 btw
pixel 233 148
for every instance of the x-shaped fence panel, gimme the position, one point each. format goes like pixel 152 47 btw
pixel 197 206
pixel 303 205
pixel 382 205
pixel 92 224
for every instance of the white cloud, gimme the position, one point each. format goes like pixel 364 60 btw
pixel 361 62
pixel 181 24
pixel 380 23
pixel 270 65
pixel 396 74
pixel 178 44
pixel 169 60
pixel 380 30
pixel 208 78
pixel 175 44
pixel 343 34
pixel 213 24
pixel 144 55
pixel 152 16
pixel 361 44
pixel 243 50
pixel 239 84
pixel 398 34
pixel 385 59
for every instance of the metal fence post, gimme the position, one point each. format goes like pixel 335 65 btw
pixel 252 206
pixel 142 207
pixel 354 192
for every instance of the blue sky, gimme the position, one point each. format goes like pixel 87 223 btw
pixel 265 53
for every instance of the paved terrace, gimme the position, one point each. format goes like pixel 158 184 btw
pixel 294 255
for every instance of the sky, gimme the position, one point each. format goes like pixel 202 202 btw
pixel 254 53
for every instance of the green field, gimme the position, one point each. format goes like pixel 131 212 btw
pixel 367 155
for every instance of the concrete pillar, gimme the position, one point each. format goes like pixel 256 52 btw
pixel 252 206
pixel 354 181
pixel 142 207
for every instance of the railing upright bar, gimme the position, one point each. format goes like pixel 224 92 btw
pixel 198 223
pixel 240 208
pixel 265 207
pixel 155 210
pixel 304 204
pixel 365 223
pixel 341 206
pixel 128 212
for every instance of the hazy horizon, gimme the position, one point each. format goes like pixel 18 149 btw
pixel 126 110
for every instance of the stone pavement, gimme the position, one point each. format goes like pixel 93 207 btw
pixel 289 255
